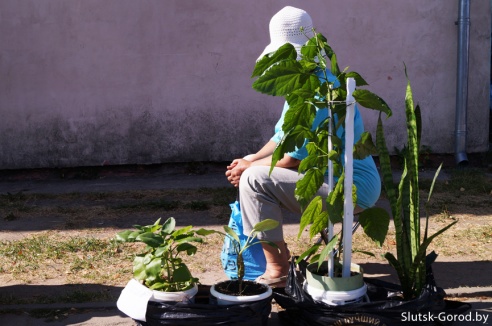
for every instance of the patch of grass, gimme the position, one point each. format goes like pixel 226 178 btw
pixel 52 255
pixel 469 181
pixel 473 181
pixel 478 240
pixel 222 196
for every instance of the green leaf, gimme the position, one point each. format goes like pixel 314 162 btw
pixel 335 70
pixel 423 247
pixel 182 274
pixel 265 225
pixel 293 139
pixel 168 226
pixel 150 239
pixel 307 187
pixel 301 111
pixel 189 239
pixel 359 81
pixel 285 52
pixel 309 252
pixel 307 162
pixel 364 147
pixel 283 78
pixel 327 250
pixel 230 232
pixel 386 172
pixel 183 231
pixel 161 250
pixel 205 232
pixel 311 212
pixel 189 248
pixel 334 202
pixel 400 271
pixel 375 222
pixel 310 50
pixel 371 101
pixel 319 224
pixel 418 121
pixel 139 268
pixel 153 269
pixel 161 286
pixel 123 236
pixel 433 182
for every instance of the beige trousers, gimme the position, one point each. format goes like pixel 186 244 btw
pixel 262 196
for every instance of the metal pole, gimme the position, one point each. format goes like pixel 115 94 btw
pixel 462 82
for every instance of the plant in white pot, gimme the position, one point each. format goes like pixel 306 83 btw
pixel 159 271
pixel 410 261
pixel 312 85
pixel 238 290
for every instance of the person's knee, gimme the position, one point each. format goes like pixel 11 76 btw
pixel 252 177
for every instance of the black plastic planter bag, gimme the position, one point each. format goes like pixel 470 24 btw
pixel 383 309
pixel 204 314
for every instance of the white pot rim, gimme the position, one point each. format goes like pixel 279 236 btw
pixel 179 296
pixel 335 297
pixel 242 298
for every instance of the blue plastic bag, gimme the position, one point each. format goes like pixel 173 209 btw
pixel 254 258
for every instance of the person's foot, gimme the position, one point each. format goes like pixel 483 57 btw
pixel 277 267
pixel 276 282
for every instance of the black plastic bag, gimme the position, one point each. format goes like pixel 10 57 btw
pixel 383 309
pixel 202 313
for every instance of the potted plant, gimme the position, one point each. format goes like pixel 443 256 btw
pixel 410 262
pixel 238 290
pixel 308 87
pixel 159 267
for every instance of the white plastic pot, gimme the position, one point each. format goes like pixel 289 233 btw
pixel 135 297
pixel 222 299
pixel 183 296
pixel 335 291
pixel 336 298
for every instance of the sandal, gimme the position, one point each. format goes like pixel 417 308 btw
pixel 278 282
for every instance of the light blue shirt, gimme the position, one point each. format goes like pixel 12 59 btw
pixel 366 176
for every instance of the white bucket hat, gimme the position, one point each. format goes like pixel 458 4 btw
pixel 285 27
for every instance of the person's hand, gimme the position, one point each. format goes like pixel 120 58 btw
pixel 235 170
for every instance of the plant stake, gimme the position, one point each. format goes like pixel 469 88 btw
pixel 348 204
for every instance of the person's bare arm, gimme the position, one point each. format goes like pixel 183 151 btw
pixel 265 151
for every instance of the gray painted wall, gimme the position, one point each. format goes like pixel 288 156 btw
pixel 88 82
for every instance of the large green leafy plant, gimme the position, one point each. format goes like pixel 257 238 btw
pixel 160 266
pixel 307 88
pixel 410 263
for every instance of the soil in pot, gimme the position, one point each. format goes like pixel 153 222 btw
pixel 252 294
pixel 231 287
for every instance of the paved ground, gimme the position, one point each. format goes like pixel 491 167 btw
pixel 477 292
